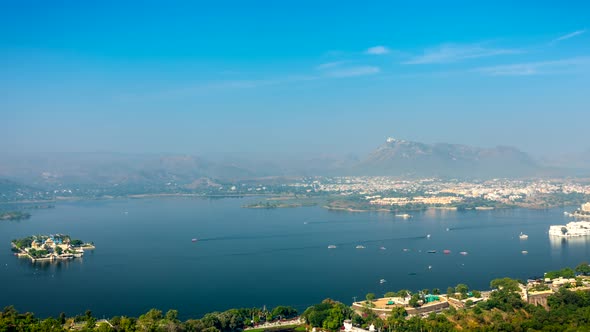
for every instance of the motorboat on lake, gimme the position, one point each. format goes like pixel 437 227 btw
pixel 360 247
pixel 464 253
pixel 431 251
pixel 382 248
pixel 382 281
pixel 524 252
pixel 446 251
pixel 194 240
pixel 523 236
pixel 332 246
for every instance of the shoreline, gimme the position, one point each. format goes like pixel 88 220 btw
pixel 273 197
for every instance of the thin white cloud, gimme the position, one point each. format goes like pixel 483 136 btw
pixel 536 68
pixel 353 71
pixel 377 50
pixel 329 65
pixel 341 69
pixel 449 53
pixel 569 35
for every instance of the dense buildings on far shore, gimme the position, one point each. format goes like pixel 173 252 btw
pixel 344 193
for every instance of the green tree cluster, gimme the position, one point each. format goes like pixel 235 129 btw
pixel 329 315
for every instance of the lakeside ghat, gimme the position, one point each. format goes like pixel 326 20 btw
pixel 49 247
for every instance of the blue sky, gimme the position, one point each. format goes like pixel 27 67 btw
pixel 292 77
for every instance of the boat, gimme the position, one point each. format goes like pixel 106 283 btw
pixel 382 248
pixel 464 253
pixel 412 273
pixel 403 216
pixel 448 229
pixel 446 251
pixel 406 249
pixel 360 247
pixel 194 240
pixel 428 236
pixel 332 246
pixel 524 252
pixel 523 236
pixel 429 267
pixel 431 251
pixel 382 281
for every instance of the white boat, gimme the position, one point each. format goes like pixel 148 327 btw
pixel 464 253
pixel 428 236
pixel 382 248
pixel 403 216
pixel 360 247
pixel 524 252
pixel 523 236
pixel 332 246
pixel 382 281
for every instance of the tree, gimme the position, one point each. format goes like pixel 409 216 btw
pixel 172 315
pixel 414 301
pixel 507 284
pixel 370 297
pixel 62 318
pixel 583 268
pixel 397 317
pixel 403 293
pixel 334 320
pixel 436 291
pixel 284 312
pixel 450 291
pixel 463 289
pixel 90 323
pixel 390 294
pixel 476 293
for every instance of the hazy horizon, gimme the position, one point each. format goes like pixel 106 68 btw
pixel 232 78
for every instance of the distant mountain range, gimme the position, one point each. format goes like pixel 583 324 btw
pixel 394 158
pixel 406 158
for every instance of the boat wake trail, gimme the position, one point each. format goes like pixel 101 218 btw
pixel 299 248
pixel 252 237
pixel 479 226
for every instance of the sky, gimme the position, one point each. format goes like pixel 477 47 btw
pixel 292 77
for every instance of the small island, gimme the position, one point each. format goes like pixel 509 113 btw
pixel 277 205
pixel 14 215
pixel 49 247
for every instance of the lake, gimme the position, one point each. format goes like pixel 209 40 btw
pixel 253 257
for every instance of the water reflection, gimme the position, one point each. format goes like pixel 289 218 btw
pixel 558 242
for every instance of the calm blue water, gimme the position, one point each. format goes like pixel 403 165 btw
pixel 255 257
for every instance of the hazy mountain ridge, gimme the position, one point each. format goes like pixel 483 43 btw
pixel 400 157
pixel 394 158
